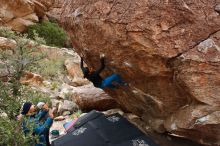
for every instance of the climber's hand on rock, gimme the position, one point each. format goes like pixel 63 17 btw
pixel 81 55
pixel 102 55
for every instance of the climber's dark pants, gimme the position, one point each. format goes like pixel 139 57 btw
pixel 107 82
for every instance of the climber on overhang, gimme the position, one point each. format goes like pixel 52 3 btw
pixel 112 81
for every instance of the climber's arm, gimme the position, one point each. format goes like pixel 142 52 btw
pixel 41 129
pixel 102 67
pixel 81 65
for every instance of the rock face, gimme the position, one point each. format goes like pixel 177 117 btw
pixel 32 78
pixel 168 52
pixel 55 11
pixel 73 68
pixel 7 43
pixel 68 106
pixel 88 98
pixel 18 14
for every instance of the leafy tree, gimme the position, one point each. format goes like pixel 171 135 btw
pixel 51 32
pixel 15 63
pixel 52 68
pixel 21 59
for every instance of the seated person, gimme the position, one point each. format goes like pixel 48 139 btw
pixel 39 128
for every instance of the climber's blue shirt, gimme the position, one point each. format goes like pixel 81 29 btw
pixel 39 127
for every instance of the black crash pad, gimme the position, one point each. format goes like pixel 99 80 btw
pixel 96 129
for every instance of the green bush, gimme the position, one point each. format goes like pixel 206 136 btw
pixel 68 96
pixel 13 93
pixel 36 96
pixel 76 114
pixel 10 129
pixel 6 32
pixel 51 69
pixel 10 133
pixel 54 85
pixel 23 58
pixel 51 32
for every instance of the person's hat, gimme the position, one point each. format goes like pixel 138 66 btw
pixel 40 105
pixel 26 108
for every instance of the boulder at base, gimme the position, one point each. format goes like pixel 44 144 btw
pixel 88 97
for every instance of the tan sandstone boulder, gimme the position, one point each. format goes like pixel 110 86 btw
pixel 55 10
pixel 7 43
pixel 168 52
pixel 18 14
pixel 32 79
pixel 88 98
